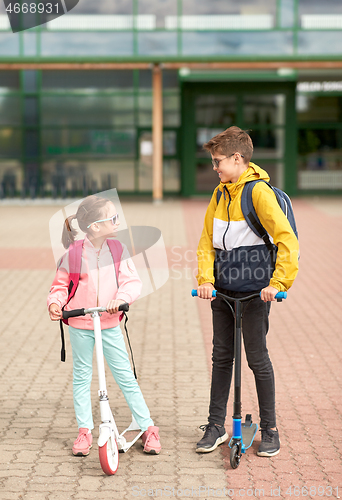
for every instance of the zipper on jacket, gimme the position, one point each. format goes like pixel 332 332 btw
pixel 98 278
pixel 228 215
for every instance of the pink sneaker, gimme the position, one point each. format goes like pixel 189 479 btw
pixel 150 440
pixel 83 442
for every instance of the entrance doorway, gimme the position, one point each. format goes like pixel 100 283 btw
pixel 266 110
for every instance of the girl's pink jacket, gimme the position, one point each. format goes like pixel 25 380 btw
pixel 97 285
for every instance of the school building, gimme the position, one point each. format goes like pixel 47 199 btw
pixel 123 93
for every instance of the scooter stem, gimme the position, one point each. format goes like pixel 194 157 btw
pixel 99 354
pixel 237 357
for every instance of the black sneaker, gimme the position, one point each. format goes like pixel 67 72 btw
pixel 214 435
pixel 270 443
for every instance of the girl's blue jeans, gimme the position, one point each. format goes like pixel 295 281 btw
pixel 114 349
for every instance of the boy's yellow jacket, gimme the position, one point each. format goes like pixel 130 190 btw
pixel 230 255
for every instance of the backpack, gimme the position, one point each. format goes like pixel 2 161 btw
pixel 253 220
pixel 75 262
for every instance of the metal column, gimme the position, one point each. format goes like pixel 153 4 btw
pixel 157 134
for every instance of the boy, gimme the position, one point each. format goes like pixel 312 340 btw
pixel 237 262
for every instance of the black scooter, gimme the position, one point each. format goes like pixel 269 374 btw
pixel 243 433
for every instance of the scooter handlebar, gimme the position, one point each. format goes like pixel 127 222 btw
pixel 124 307
pixel 82 312
pixel 279 296
pixel 195 294
pixel 73 313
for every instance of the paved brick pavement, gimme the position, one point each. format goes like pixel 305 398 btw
pixel 173 360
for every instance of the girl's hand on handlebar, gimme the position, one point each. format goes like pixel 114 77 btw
pixel 205 291
pixel 113 305
pixel 55 312
pixel 268 294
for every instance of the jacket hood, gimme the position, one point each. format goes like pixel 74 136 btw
pixel 252 173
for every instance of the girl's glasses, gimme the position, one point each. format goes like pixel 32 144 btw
pixel 114 219
pixel 216 162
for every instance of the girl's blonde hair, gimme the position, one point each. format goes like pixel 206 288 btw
pixel 89 211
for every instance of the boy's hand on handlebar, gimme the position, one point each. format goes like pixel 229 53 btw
pixel 268 294
pixel 55 312
pixel 205 291
pixel 113 305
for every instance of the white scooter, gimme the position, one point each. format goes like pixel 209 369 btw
pixel 110 442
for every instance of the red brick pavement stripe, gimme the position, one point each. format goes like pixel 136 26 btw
pixel 305 346
pixel 26 258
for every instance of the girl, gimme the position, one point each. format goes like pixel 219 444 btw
pixel 98 286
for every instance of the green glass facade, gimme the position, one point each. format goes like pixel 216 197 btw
pixel 68 132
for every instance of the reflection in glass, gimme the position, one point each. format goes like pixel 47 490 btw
pixel 31 116
pixel 243 7
pixel 203 135
pixel 145 162
pixel 319 42
pixel 9 80
pixel 264 109
pixel 170 79
pixel 320 159
pixel 275 171
pixel 30 44
pixel 157 43
pixel 145 110
pixel 314 108
pixel 268 143
pixel 31 143
pixel 239 43
pixel 11 178
pixel 62 178
pixel 10 143
pixel 319 7
pixel 9 45
pixel 171 175
pixel 169 143
pixel 102 110
pixel 10 110
pixel 86 44
pixel 171 110
pixel 83 81
pixel 215 110
pixel 320 149
pixel 206 178
pixel 88 142
pixel 30 78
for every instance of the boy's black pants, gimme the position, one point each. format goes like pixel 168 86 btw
pixel 254 330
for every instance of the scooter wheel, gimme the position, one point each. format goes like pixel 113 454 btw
pixel 235 456
pixel 109 457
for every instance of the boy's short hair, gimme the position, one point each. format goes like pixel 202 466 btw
pixel 230 141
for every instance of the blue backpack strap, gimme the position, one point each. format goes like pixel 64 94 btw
pixel 252 218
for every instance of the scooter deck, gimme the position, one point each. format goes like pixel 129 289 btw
pixel 248 431
pixel 248 434
pixel 129 436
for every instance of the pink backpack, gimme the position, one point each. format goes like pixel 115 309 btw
pixel 75 262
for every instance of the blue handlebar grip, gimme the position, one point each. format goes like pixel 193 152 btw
pixel 194 293
pixel 281 295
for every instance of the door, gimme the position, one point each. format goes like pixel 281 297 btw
pixel 266 110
